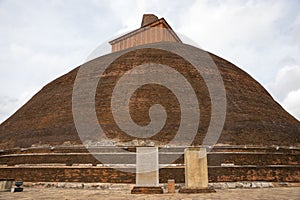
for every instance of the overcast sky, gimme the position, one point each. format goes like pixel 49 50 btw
pixel 41 40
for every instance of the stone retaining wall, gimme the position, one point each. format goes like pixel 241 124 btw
pixel 109 175
pixel 76 164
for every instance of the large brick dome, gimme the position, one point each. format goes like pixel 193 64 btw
pixel 252 115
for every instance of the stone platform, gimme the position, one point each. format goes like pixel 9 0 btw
pixel 124 194
pixel 225 164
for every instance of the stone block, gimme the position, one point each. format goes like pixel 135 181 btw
pixel 147 178
pixel 196 171
pixel 196 168
pixel 6 185
pixel 147 166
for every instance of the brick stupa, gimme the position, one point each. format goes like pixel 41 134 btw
pixel 253 117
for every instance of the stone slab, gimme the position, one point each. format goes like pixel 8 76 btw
pixel 196 170
pixel 147 166
pixel 147 190
pixel 6 185
pixel 196 190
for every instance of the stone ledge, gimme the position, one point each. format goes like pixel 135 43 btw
pixel 146 190
pixel 196 190
pixel 124 186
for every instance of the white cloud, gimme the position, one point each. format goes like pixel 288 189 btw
pixel 286 89
pixel 292 103
pixel 259 36
pixel 255 35
pixel 286 81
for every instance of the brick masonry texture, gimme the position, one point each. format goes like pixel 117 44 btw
pixel 109 175
pixel 253 117
pixel 214 159
pixel 249 164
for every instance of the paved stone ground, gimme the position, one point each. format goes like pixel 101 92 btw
pixel 70 194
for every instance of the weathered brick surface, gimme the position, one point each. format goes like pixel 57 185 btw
pixel 252 173
pixel 214 159
pixel 253 117
pixel 108 175
pixel 260 159
pixel 68 174
pixel 267 165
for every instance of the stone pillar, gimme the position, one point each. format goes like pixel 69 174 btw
pixel 196 171
pixel 6 184
pixel 147 166
pixel 147 171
